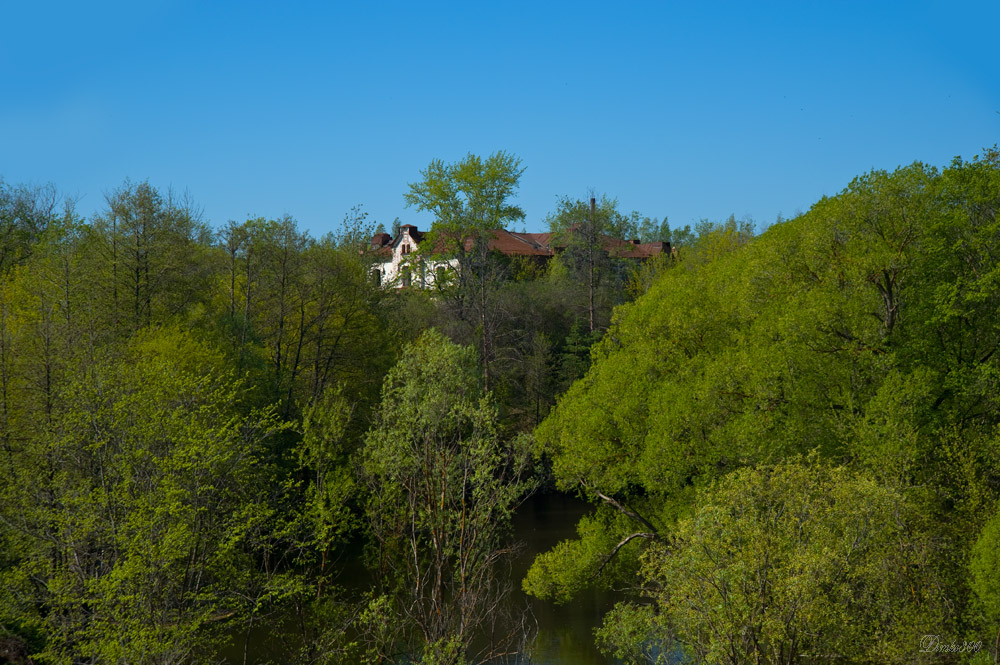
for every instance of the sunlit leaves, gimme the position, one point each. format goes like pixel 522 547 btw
pixel 864 330
pixel 131 505
pixel 442 488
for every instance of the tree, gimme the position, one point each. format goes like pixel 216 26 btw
pixel 587 231
pixel 280 247
pixel 148 502
pixel 469 199
pixel 290 593
pixel 302 313
pixel 863 330
pixel 470 195
pixel 49 326
pixel 128 516
pixel 652 229
pixel 25 214
pixel 782 565
pixel 984 569
pixel 443 486
pixel 152 246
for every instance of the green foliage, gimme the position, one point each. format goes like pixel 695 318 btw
pixel 324 452
pixel 470 195
pixel 745 352
pixel 446 651
pixel 647 273
pixel 302 315
pixel 864 330
pixel 469 199
pixel 150 245
pixel 588 241
pixel 651 229
pixel 984 569
pixel 572 565
pixel 573 217
pixel 112 335
pixel 130 512
pixel 784 565
pixel 355 232
pixel 183 419
pixel 442 489
pixel 25 215
pixel 627 634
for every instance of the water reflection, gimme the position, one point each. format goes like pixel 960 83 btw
pixel 565 632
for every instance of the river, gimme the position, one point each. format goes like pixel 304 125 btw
pixel 565 632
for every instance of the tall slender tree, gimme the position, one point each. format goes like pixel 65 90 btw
pixel 443 486
pixel 470 199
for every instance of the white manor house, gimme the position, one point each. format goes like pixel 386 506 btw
pixel 396 269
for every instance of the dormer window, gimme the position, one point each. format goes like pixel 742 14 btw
pixel 405 249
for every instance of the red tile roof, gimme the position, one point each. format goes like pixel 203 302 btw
pixel 528 244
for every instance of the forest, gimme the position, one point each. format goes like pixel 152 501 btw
pixel 788 441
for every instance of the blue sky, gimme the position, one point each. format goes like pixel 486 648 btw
pixel 691 110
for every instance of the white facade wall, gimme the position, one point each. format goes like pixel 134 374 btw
pixel 423 272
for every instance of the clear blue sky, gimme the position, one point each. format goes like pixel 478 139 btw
pixel 691 110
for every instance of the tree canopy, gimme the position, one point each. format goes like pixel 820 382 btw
pixel 470 195
pixel 790 440
pixel 443 487
pixel 864 330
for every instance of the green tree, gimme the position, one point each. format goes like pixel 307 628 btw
pixel 469 199
pixel 290 592
pixel 123 421
pixel 984 569
pixel 589 236
pixel 25 214
pixel 863 330
pixel 786 564
pixel 652 229
pixel 153 244
pixel 300 313
pixel 129 514
pixel 50 326
pixel 470 195
pixel 325 452
pixel 443 486
pixel 280 248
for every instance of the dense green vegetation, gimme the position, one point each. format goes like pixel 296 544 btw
pixel 198 428
pixel 791 441
pixel 863 335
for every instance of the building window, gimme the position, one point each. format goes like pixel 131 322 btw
pixel 406 276
pixel 377 277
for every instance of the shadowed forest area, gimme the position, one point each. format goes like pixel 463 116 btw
pixel 788 441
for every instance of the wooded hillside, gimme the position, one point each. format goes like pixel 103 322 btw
pixel 790 440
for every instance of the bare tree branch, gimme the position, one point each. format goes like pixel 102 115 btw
pixel 621 508
pixel 625 541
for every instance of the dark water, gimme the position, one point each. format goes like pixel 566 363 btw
pixel 565 632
